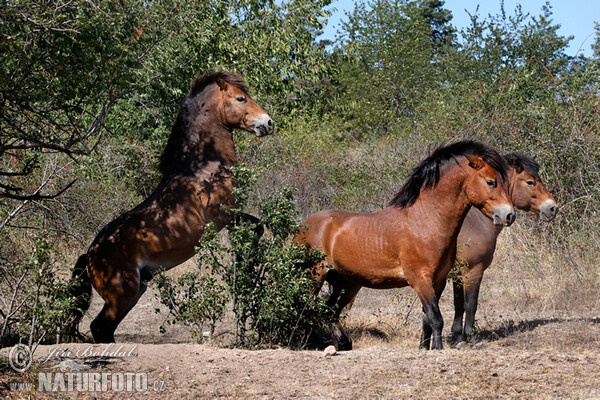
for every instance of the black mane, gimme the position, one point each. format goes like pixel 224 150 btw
pixel 181 125
pixel 522 162
pixel 427 173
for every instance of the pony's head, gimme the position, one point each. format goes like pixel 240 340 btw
pixel 487 189
pixel 528 193
pixel 230 99
pixel 485 185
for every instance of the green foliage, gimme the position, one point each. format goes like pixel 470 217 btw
pixel 193 300
pixel 35 302
pixel 387 51
pixel 268 278
pixel 389 59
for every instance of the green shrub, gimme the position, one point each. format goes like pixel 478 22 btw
pixel 36 304
pixel 194 300
pixel 266 278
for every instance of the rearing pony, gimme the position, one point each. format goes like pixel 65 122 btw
pixel 162 231
pixel 477 238
pixel 413 240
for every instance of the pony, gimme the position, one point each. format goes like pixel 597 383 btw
pixel 195 189
pixel 412 241
pixel 477 239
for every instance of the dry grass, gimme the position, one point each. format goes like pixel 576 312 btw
pixel 531 284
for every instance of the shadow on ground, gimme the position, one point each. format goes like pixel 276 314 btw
pixel 510 328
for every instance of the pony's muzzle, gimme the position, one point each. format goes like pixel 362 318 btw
pixel 503 215
pixel 263 126
pixel 548 210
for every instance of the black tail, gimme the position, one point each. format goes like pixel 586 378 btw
pixel 81 289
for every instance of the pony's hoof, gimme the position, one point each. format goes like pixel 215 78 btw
pixel 341 339
pixel 343 343
pixel 456 339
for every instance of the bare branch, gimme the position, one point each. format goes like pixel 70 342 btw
pixel 36 195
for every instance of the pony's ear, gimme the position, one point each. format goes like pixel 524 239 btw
pixel 475 162
pixel 221 83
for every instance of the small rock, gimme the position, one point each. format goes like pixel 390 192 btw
pixel 329 351
pixel 462 345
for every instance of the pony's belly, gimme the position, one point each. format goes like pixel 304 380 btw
pixel 165 262
pixel 376 277
pixel 386 284
pixel 153 267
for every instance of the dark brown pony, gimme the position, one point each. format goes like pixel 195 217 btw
pixel 477 238
pixel 413 240
pixel 196 188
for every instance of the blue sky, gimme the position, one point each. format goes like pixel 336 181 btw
pixel 576 17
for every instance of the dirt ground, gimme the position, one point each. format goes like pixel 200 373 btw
pixel 542 358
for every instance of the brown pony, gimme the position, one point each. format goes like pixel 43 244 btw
pixel 162 231
pixel 413 240
pixel 478 238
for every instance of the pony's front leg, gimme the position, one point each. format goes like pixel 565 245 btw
pixel 433 322
pixel 457 334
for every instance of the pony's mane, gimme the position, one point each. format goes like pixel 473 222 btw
pixel 520 162
pixel 181 125
pixel 217 77
pixel 427 173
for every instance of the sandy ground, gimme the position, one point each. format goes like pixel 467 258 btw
pixel 522 356
pixel 537 343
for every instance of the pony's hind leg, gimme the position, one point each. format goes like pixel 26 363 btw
pixel 343 293
pixel 472 285
pixel 340 336
pixel 119 299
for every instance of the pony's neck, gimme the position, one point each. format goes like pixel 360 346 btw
pixel 216 144
pixel 446 205
pixel 204 143
pixel 204 149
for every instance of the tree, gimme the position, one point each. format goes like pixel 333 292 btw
pixel 442 31
pixel 501 43
pixel 389 49
pixel 89 90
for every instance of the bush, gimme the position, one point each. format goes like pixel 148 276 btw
pixel 35 304
pixel 194 300
pixel 266 278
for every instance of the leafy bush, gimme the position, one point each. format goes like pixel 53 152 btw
pixel 193 300
pixel 266 278
pixel 35 304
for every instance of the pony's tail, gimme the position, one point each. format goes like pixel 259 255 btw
pixel 81 289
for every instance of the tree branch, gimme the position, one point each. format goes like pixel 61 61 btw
pixel 36 195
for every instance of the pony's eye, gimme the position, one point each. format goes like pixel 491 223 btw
pixel 491 182
pixel 241 99
pixel 530 183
